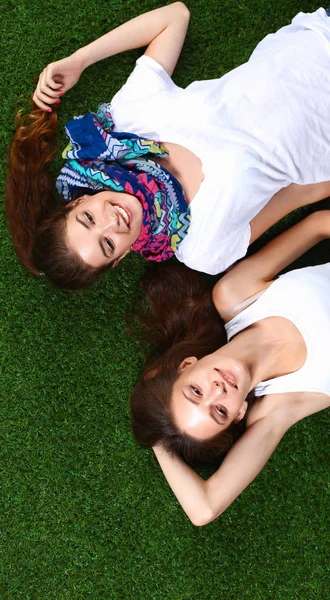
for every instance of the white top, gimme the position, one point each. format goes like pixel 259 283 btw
pixel 303 297
pixel 259 128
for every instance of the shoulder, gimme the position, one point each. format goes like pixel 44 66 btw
pixel 141 103
pixel 147 79
pixel 232 290
pixel 284 410
pixel 224 295
pixel 280 409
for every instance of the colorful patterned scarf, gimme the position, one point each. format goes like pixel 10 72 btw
pixel 99 158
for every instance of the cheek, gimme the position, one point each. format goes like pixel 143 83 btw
pixel 88 255
pixel 204 428
pixel 194 421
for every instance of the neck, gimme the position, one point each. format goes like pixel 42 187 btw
pixel 264 353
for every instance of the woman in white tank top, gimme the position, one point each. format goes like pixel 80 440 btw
pixel 193 402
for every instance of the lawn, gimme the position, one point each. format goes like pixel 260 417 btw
pixel 85 514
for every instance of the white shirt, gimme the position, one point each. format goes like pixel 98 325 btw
pixel 303 297
pixel 257 129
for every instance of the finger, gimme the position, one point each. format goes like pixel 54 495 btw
pixel 45 98
pixel 57 85
pixel 49 87
pixel 41 104
pixel 48 91
pixel 48 79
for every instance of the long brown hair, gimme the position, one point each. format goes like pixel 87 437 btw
pixel 37 228
pixel 183 322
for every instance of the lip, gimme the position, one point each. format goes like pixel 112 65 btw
pixel 128 213
pixel 228 378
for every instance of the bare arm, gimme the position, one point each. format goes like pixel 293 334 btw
pixel 284 202
pixel 203 501
pixel 163 31
pixel 253 274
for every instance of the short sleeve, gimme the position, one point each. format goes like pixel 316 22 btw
pixel 146 101
pixel 147 79
pixel 214 254
pixel 219 232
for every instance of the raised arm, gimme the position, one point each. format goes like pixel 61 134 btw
pixel 163 31
pixel 203 501
pixel 253 274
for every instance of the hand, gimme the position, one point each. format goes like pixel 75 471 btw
pixel 56 79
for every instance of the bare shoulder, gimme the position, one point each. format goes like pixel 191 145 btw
pixel 234 288
pixel 256 272
pixel 288 408
pixel 223 295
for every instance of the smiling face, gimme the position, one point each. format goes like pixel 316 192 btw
pixel 102 228
pixel 209 395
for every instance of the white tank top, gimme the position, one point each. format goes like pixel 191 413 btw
pixel 303 297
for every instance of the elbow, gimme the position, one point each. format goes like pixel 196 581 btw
pixel 183 10
pixel 204 509
pixel 203 517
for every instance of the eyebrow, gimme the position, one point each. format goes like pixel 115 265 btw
pixel 190 399
pixel 82 223
pixel 197 403
pixel 100 243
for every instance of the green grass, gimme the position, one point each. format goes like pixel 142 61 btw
pixel 84 513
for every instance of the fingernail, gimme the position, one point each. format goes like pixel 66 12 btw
pixel 61 94
pixel 49 110
pixel 57 101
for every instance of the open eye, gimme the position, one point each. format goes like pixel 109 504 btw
pixel 89 217
pixel 196 390
pixel 221 411
pixel 109 243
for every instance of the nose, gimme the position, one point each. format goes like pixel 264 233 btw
pixel 110 217
pixel 217 390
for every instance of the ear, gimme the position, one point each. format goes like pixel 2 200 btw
pixel 187 362
pixel 242 411
pixel 74 203
pixel 117 260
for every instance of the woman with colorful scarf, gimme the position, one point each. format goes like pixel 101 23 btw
pixel 201 174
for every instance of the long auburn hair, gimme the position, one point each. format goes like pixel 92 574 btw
pixel 183 322
pixel 37 228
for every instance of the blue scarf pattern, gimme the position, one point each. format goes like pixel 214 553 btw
pixel 99 158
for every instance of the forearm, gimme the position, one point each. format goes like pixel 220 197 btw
pixel 251 274
pixel 188 487
pixel 291 244
pixel 284 202
pixel 136 33
pixel 203 501
pixel 163 30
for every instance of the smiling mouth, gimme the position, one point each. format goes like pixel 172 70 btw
pixel 124 215
pixel 228 377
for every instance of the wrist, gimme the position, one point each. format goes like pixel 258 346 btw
pixel 82 58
